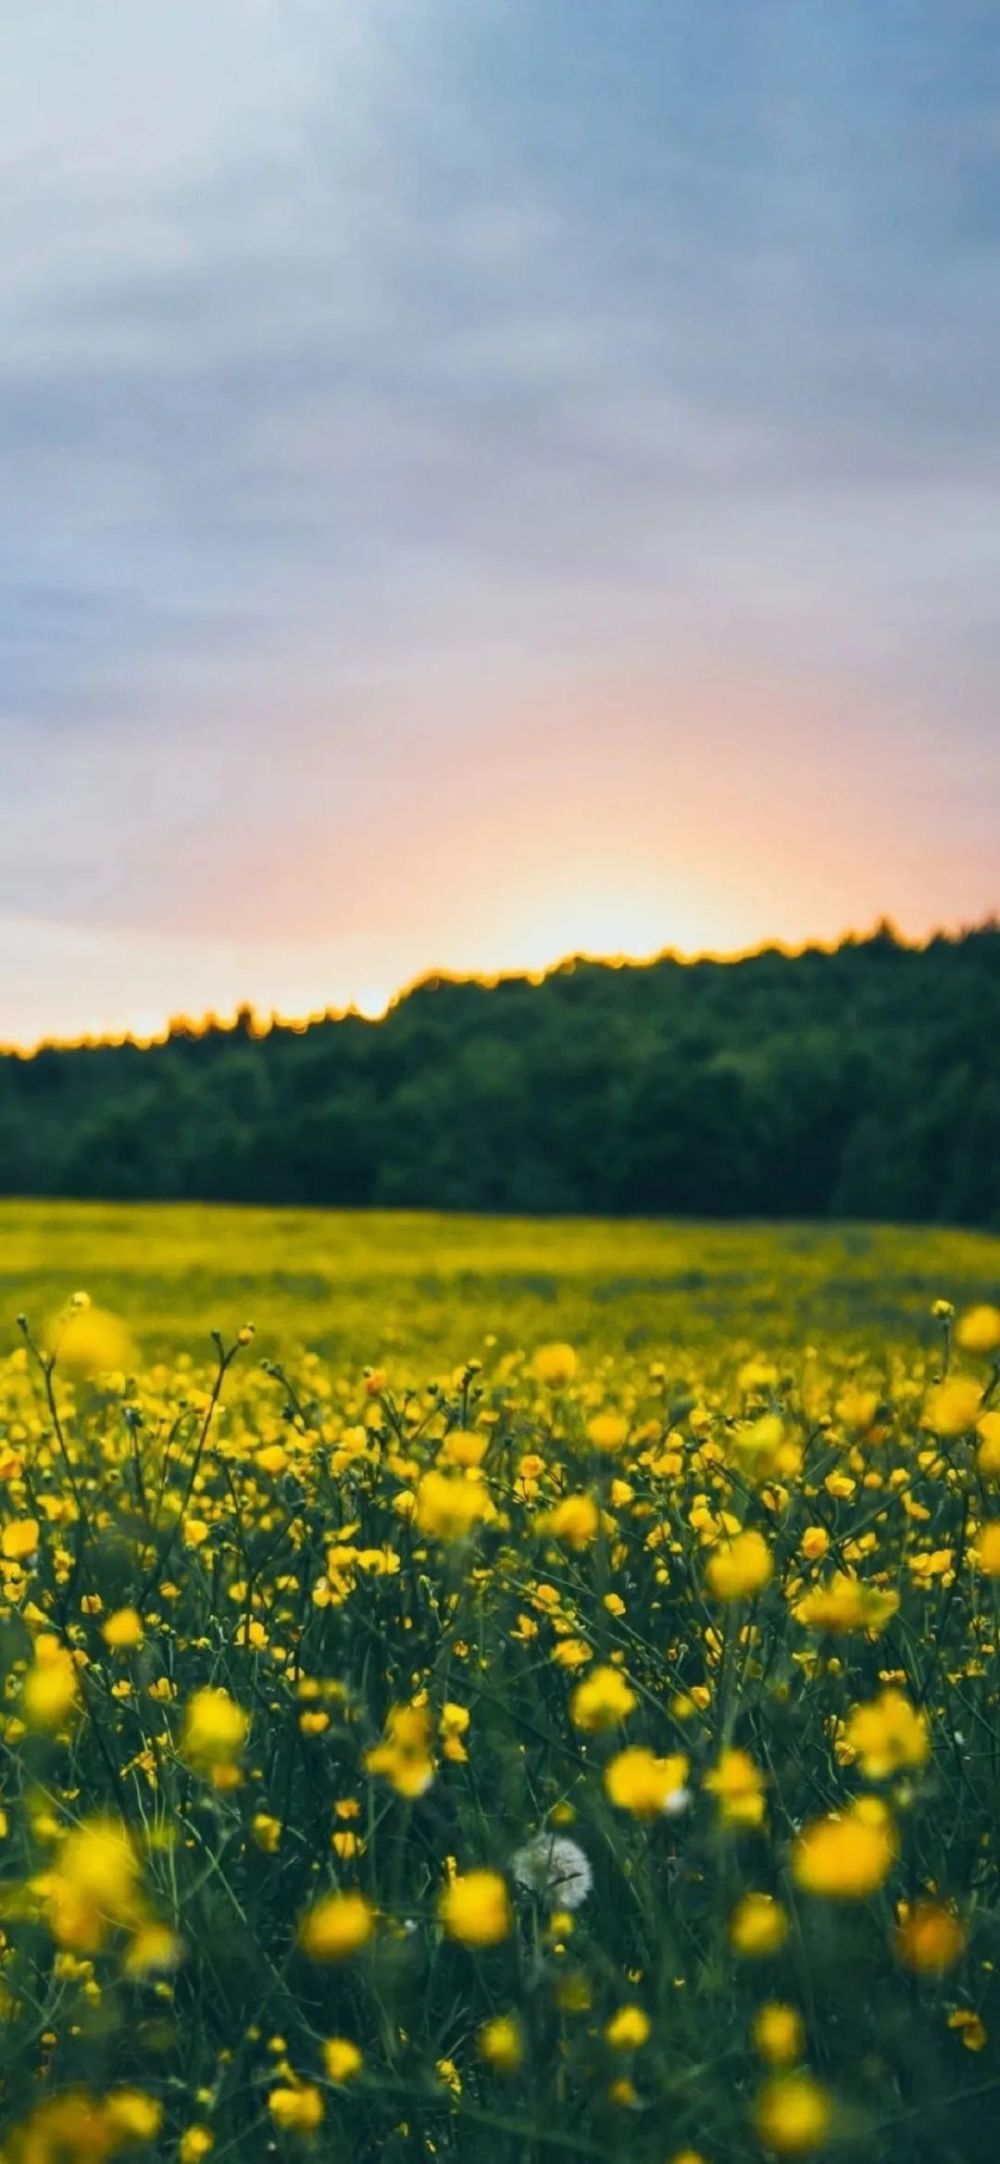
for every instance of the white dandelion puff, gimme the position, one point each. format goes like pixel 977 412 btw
pixel 555 1869
pixel 676 1802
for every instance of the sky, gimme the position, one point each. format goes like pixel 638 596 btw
pixel 484 480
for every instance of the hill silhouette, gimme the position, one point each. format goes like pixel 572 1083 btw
pixel 858 1082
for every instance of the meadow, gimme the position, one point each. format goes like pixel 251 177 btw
pixel 425 1290
pixel 477 1688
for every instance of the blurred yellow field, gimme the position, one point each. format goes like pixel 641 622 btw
pixel 426 1289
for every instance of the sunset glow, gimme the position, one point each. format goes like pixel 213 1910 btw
pixel 405 575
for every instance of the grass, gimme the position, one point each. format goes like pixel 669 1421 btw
pixel 422 1288
pixel 535 1699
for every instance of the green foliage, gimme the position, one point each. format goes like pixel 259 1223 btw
pixel 855 1084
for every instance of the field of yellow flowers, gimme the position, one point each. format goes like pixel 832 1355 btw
pixel 534 1697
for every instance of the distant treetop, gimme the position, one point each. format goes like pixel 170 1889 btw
pixel 855 1081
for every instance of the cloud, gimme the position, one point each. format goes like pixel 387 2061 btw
pixel 375 380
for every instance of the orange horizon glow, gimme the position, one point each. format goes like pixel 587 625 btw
pixel 605 819
pixel 372 1004
pixel 532 542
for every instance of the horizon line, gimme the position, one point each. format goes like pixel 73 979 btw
pixel 263 1023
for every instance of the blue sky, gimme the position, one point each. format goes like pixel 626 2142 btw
pixel 483 479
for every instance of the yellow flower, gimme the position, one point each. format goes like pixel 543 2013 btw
pixel 933 1563
pixel 739 1786
pixel 337 1926
pixel 464 1448
pixel 572 1653
pixel 814 1543
pixel 131 2115
pixel 499 2042
pixel 475 1908
pixel 929 1938
pixel 273 1459
pixel 979 1330
pixel 575 1520
pixel 607 1431
pixel 195 2143
pixel 555 1365
pixel 449 1506
pixel 988 1548
pixel 846 1856
pixel 792 2114
pixel 738 1568
pixel 953 1406
pixel 601 1701
pixel 154 1949
pixel 266 1832
pixel 777 2032
pixel 639 1782
pixel 887 1734
pixel 88 1341
pixel 762 1448
pixel 94 1887
pixel 19 1539
pixel 756 1374
pixel 857 1409
pixel 969 2027
pixel 845 1604
pixel 69 2128
pixel 452 1726
pixel 988 1453
pixel 758 1926
pixel 50 1690
pixel 405 1758
pixel 341 2058
pixel 123 1630
pixel 629 2029
pixel 297 2110
pixel 841 1486
pixel 214 1731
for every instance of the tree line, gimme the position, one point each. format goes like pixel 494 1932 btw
pixel 861 1082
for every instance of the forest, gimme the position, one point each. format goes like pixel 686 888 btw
pixel 861 1082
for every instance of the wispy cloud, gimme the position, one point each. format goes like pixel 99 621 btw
pixel 399 399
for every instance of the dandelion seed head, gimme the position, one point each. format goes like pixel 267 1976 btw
pixel 555 1869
